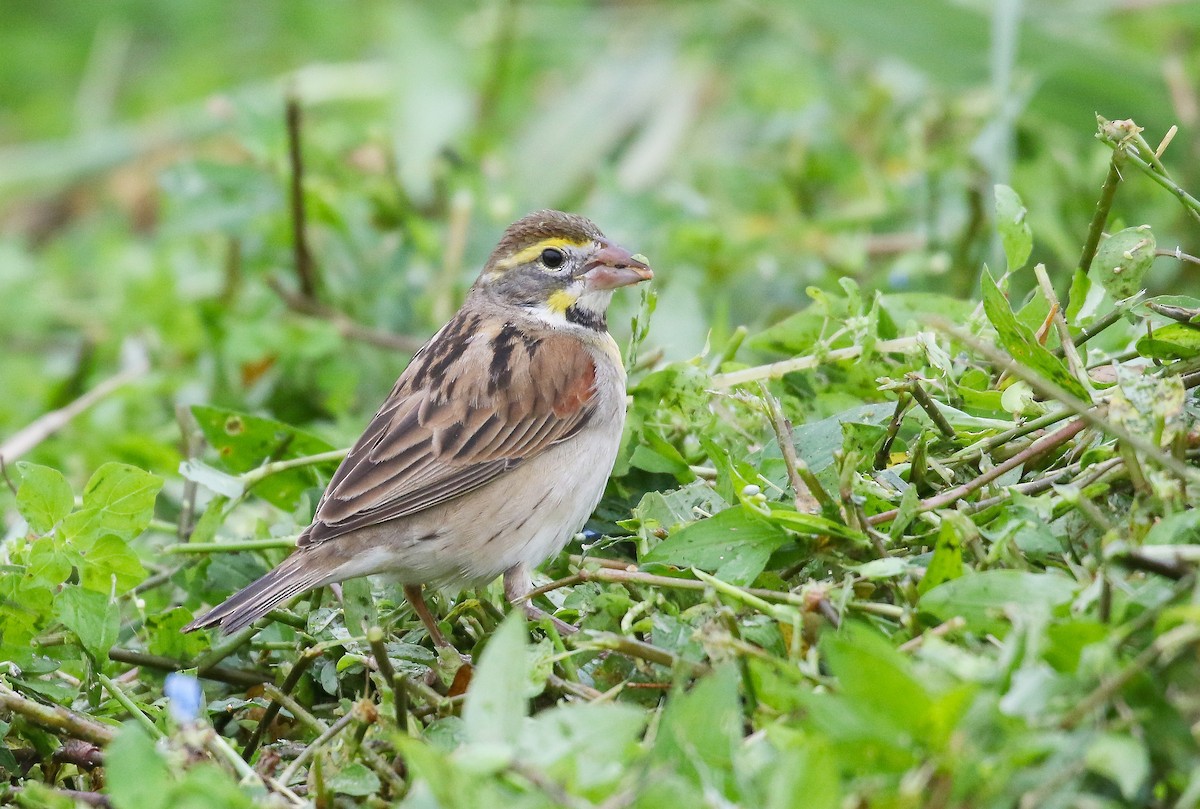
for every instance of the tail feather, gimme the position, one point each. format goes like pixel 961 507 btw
pixel 293 576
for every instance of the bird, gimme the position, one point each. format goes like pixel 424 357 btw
pixel 493 447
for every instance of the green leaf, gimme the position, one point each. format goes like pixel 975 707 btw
pixel 1015 234
pixel 119 499
pixel 1121 759
pixel 1122 261
pixel 982 599
pixel 496 703
pixel 136 774
pixel 94 618
pixel 1174 341
pixel 583 745
pixel 947 561
pixel 876 678
pixel 355 779
pixel 1020 342
pixel 44 496
pixel 244 442
pixel 701 729
pixel 734 545
pixel 109 564
pixel 804 523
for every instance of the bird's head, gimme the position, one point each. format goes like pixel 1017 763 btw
pixel 559 267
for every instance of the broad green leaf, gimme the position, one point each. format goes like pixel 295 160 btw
pixel 583 745
pixel 669 509
pixel 52 559
pixel 135 773
pixel 804 523
pixel 701 729
pixel 1174 341
pixel 1015 234
pixel 355 779
pixel 44 496
pixel 496 703
pixel 734 545
pixel 244 442
pixel 119 499
pixel 1121 759
pixel 875 677
pixel 982 599
pixel 1122 261
pixel 109 564
pixel 94 618
pixel 1182 528
pixel 1021 344
pixel 806 774
pixel 947 562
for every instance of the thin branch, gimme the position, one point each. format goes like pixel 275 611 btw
pixel 305 272
pixel 46 425
pixel 1037 448
pixel 293 677
pixel 373 759
pixel 1103 206
pixel 56 718
pixel 775 370
pixel 929 406
pixel 1085 411
pixel 810 495
pixel 346 327
pixel 224 674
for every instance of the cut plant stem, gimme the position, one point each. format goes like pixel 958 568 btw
pixel 1087 412
pixel 775 370
pixel 1037 448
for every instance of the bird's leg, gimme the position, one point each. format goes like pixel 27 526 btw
pixel 413 593
pixel 517 587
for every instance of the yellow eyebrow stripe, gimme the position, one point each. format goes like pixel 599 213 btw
pixel 534 250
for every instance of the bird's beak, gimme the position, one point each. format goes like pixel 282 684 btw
pixel 613 266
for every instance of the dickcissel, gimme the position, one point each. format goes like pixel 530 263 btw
pixel 496 442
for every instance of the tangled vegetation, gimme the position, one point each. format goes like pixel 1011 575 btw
pixel 906 540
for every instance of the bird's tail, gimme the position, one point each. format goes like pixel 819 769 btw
pixel 295 575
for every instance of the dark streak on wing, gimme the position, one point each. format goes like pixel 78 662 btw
pixel 425 447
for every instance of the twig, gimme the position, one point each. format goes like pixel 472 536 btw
pixel 293 677
pixel 260 473
pixel 137 713
pixel 774 370
pixel 1117 135
pixel 224 674
pixel 374 760
pixel 1039 447
pixel 397 684
pixel 1174 640
pixel 308 752
pixel 305 273
pixel 632 647
pixel 810 495
pixel 929 406
pixel 56 718
pixel 1092 330
pixel 46 425
pixel 346 327
pixel 1085 411
pixel 1103 206
pixel 230 547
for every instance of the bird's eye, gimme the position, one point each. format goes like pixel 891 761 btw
pixel 553 258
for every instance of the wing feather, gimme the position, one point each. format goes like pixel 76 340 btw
pixel 458 419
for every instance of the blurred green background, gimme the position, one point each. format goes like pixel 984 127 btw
pixel 751 149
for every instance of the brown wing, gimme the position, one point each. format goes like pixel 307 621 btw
pixel 478 400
